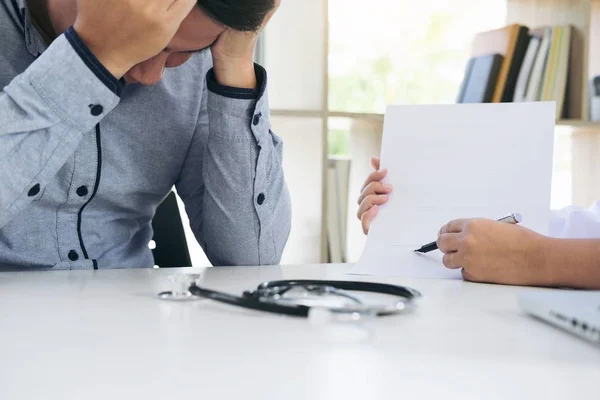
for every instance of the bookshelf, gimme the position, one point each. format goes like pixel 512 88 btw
pixel 585 61
pixel 584 17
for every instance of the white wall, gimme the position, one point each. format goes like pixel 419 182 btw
pixel 294 55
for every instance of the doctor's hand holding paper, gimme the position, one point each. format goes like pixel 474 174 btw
pixel 496 252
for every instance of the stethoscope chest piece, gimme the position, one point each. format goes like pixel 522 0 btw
pixel 180 288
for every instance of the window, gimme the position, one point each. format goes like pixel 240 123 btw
pixel 401 51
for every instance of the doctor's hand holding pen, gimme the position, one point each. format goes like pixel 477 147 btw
pixel 485 250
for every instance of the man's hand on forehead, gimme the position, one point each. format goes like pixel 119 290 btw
pixel 233 55
pixel 123 33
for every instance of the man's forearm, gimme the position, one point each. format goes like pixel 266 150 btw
pixel 245 204
pixel 44 115
pixel 573 263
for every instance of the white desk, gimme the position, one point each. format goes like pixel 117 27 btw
pixel 103 335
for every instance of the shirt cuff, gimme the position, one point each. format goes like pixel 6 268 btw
pixel 239 93
pixel 114 84
pixel 63 83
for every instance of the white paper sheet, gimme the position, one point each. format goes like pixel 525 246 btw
pixel 457 161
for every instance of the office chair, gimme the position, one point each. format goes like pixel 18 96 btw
pixel 171 246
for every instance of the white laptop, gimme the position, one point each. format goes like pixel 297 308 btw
pixel 574 311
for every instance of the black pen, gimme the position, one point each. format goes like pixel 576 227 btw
pixel 513 218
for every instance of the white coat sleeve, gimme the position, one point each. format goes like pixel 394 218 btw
pixel 576 222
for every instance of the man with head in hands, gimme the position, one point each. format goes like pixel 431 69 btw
pixel 108 104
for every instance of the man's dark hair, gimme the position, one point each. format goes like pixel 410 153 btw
pixel 240 15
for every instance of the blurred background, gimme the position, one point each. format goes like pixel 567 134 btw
pixel 333 67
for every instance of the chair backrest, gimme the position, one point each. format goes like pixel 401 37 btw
pixel 171 246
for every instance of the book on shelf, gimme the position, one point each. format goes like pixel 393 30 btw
pixel 480 79
pixel 511 43
pixel 557 69
pixel 534 88
pixel 534 66
pixel 526 69
pixel 518 58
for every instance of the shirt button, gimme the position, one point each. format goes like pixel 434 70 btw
pixel 34 190
pixel 256 119
pixel 261 199
pixel 73 256
pixel 96 110
pixel 82 191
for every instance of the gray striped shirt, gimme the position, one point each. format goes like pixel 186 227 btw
pixel 85 161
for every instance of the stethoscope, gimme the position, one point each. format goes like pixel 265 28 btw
pixel 289 297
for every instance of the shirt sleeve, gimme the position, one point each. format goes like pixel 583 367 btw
pixel 232 182
pixel 44 114
pixel 576 222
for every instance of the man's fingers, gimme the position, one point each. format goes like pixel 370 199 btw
pixel 375 176
pixel 375 162
pixel 449 242
pixel 452 261
pixel 456 226
pixel 368 217
pixel 369 202
pixel 374 188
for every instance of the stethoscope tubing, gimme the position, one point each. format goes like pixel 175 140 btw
pixel 260 301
